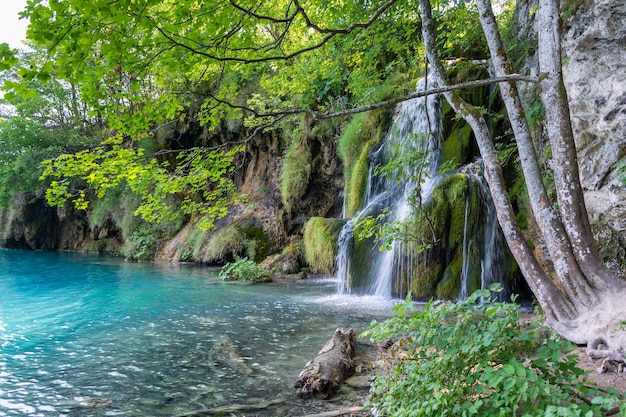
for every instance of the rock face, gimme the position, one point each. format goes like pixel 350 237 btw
pixel 594 52
pixel 594 45
pixel 32 224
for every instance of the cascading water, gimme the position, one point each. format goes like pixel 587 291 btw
pixel 486 236
pixel 417 126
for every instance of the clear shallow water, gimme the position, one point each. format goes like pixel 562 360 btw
pixel 84 335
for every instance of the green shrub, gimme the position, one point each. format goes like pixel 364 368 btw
pixel 474 358
pixel 142 245
pixel 244 269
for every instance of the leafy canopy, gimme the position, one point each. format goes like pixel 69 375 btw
pixel 140 66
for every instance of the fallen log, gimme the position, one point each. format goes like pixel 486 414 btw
pixel 322 376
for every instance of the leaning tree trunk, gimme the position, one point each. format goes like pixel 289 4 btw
pixel 555 306
pixel 559 248
pixel 584 301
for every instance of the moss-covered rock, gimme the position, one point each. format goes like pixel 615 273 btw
pixel 457 146
pixel 447 215
pixel 297 166
pixel 219 246
pixel 320 243
pixel 450 285
pixel 258 243
pixel 356 182
pixel 358 138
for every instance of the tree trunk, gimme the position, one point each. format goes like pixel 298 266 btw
pixel 552 229
pixel 584 300
pixel 565 165
pixel 555 306
pixel 322 376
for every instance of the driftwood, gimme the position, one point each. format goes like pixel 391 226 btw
pixel 322 376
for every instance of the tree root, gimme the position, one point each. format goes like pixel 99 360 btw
pixel 231 408
pixel 613 359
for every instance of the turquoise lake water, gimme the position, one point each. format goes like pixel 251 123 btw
pixel 85 335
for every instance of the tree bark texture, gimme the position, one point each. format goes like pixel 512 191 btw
pixel 559 128
pixel 557 242
pixel 584 300
pixel 322 376
pixel 555 306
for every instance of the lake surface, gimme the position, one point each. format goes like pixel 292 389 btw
pixel 86 335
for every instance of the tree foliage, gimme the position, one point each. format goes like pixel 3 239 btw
pixel 139 65
pixel 48 121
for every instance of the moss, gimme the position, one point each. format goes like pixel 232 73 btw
pixel 474 269
pixel 438 270
pixel 362 265
pixel 357 183
pixel 457 145
pixel 320 243
pixel 109 246
pixel 222 245
pixel 258 244
pixel 427 277
pixel 464 71
pixel 450 285
pixel 360 136
pixel 117 205
pixel 293 248
pixel 297 166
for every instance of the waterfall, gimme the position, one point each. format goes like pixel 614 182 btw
pixel 417 126
pixel 486 236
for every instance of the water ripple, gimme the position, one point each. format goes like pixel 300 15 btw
pixel 88 335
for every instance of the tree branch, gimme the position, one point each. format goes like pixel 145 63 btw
pixel 386 103
pixel 255 15
pixel 330 33
pixel 350 28
pixel 439 90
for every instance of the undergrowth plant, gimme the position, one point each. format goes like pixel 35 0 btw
pixel 475 358
pixel 244 269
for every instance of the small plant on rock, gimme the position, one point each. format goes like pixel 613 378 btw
pixel 475 358
pixel 244 269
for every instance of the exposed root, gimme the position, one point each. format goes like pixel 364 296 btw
pixel 613 359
